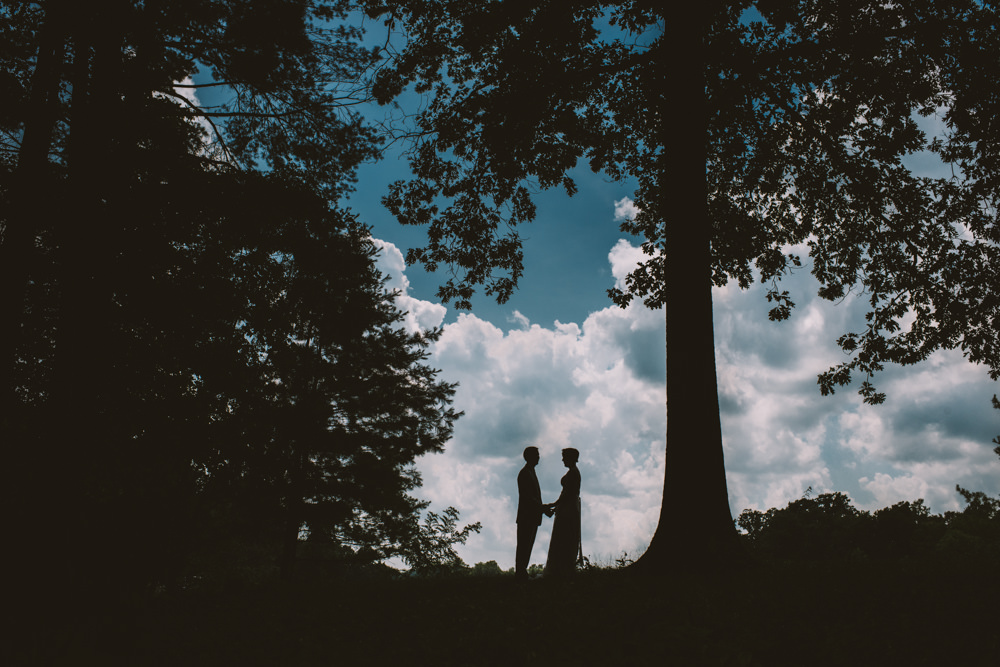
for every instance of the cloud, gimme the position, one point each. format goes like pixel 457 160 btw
pixel 518 318
pixel 599 386
pixel 625 209
pixel 420 315
pixel 624 257
pixel 889 490
pixel 782 436
pixel 186 90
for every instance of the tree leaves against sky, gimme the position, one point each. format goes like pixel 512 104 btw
pixel 812 112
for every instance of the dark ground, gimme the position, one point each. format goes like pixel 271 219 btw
pixel 862 614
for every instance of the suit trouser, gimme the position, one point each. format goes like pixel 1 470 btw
pixel 525 541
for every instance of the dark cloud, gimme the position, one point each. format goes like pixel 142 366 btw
pixel 958 413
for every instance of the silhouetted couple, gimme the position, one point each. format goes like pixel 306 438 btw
pixel 565 543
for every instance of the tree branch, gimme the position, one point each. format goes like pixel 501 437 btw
pixel 208 119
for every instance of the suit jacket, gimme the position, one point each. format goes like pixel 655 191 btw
pixel 529 497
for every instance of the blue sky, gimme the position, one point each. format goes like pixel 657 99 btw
pixel 566 274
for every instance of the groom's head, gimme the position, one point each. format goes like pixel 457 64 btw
pixel 531 455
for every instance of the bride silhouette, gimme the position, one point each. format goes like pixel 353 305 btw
pixel 565 543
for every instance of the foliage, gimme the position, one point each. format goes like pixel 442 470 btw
pixel 807 136
pixel 828 528
pixel 431 548
pixel 109 128
pixel 477 146
pixel 824 527
pixel 198 356
pixel 324 435
pixel 487 569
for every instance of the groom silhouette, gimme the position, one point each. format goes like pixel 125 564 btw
pixel 529 511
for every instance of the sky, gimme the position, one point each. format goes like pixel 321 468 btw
pixel 560 365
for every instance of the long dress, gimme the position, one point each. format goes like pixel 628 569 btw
pixel 565 542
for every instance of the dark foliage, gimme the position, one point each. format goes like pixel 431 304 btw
pixel 828 529
pixel 198 358
pixel 808 116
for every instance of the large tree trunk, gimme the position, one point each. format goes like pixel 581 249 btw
pixel 29 200
pixel 92 459
pixel 696 525
pixel 36 473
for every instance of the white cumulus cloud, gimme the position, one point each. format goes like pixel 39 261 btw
pixel 625 209
pixel 599 386
pixel 420 315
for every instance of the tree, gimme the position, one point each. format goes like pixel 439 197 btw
pixel 826 527
pixel 96 85
pixel 322 433
pixel 431 549
pixel 190 322
pixel 801 119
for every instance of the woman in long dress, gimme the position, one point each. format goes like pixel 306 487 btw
pixel 565 542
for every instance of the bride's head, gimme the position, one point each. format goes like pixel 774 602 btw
pixel 570 456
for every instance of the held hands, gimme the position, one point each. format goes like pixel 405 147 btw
pixel 549 509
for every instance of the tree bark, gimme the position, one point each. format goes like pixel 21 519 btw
pixel 696 525
pixel 30 497
pixel 93 463
pixel 28 202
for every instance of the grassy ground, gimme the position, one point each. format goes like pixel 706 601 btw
pixel 824 615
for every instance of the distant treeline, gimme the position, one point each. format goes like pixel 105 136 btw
pixel 828 527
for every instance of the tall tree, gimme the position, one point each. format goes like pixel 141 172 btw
pixel 149 257
pixel 93 85
pixel 802 118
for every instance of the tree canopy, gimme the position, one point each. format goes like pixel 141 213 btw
pixel 196 344
pixel 812 113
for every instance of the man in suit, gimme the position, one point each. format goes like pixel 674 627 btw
pixel 529 511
